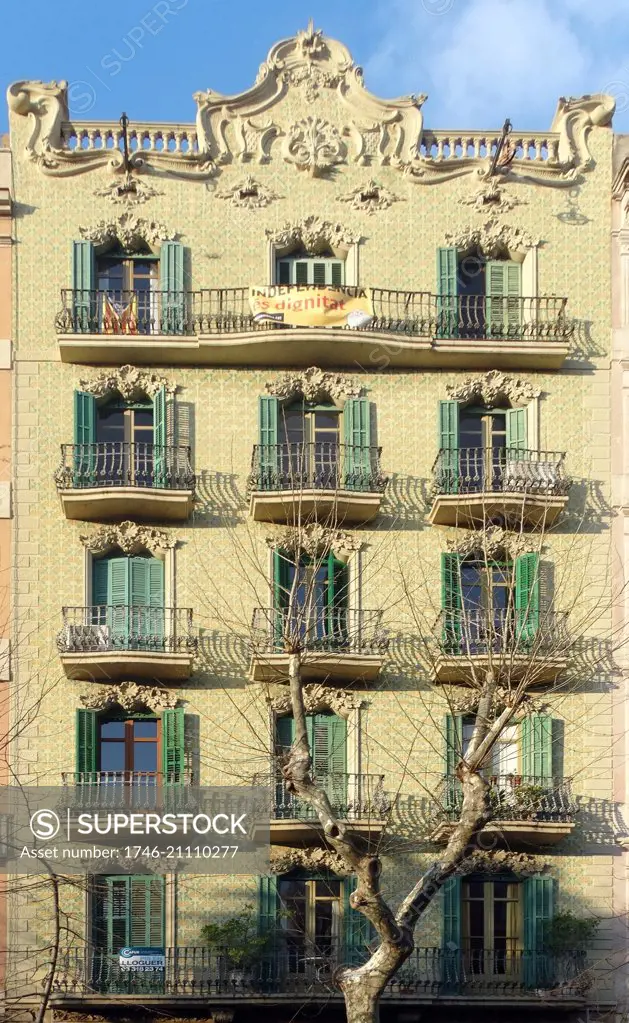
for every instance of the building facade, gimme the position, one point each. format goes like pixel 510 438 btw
pixel 307 313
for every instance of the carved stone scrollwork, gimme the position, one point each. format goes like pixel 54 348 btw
pixel 284 860
pixel 313 145
pixel 69 1016
pixel 490 197
pixel 314 384
pixel 493 542
pixel 314 234
pixel 369 198
pixel 130 537
pixel 492 388
pixel 499 860
pixel 314 540
pixel 248 194
pixel 130 191
pixel 317 698
pixel 467 703
pixel 130 230
pixel 129 382
pixel 130 696
pixel 492 238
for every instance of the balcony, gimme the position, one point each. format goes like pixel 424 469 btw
pixel 115 479
pixel 139 790
pixel 339 646
pixel 474 485
pixel 358 799
pixel 525 810
pixel 202 977
pixel 513 644
pixel 342 483
pixel 215 326
pixel 120 641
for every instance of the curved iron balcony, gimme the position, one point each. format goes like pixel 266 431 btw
pixel 124 312
pixel 114 478
pixel 103 789
pixel 471 485
pixel 337 643
pixel 306 973
pixel 320 477
pixel 515 642
pixel 110 640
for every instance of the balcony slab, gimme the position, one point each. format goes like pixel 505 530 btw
pixel 117 665
pixel 317 666
pixel 513 834
pixel 348 507
pixel 144 503
pixel 473 510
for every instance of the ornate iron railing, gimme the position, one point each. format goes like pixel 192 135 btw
pixel 124 312
pixel 352 796
pixel 517 797
pixel 227 311
pixel 121 464
pixel 318 629
pixel 503 631
pixel 139 789
pixel 197 972
pixel 318 465
pixel 500 470
pixel 110 627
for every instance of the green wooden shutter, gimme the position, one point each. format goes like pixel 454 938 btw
pixel 329 756
pixel 284 733
pixel 448 481
pixel 283 271
pixel 451 933
pixel 282 584
pixel 100 581
pixel 155 601
pixel 537 749
pixel 84 461
pixel 172 286
pixel 503 285
pixel 357 930
pixel 447 290
pixel 336 618
pixel 527 598
pixel 538 898
pixel 313 271
pixel 451 602
pixel 516 429
pixel 267 907
pixel 337 272
pixel 86 744
pixel 159 439
pixel 357 433
pixel 118 600
pixel 268 414
pixel 83 288
pixel 453 735
pixel 146 908
pixel 173 745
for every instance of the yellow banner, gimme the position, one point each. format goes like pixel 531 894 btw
pixel 302 305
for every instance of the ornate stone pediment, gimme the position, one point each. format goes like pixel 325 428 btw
pixel 493 542
pixel 370 198
pixel 493 239
pixel 130 537
pixel 314 234
pixel 284 860
pixel 317 698
pixel 492 388
pixel 130 696
pixel 313 384
pixel 315 539
pixel 129 382
pixel 248 194
pixel 128 229
pixel 130 191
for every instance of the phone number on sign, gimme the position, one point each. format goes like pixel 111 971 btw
pixel 181 852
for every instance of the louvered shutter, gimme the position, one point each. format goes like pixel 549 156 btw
pixel 538 898
pixel 84 461
pixel 451 933
pixel 537 749
pixel 357 930
pixel 283 569
pixel 503 285
pixel 84 319
pixel 86 746
pixel 453 736
pixel 267 908
pixel 171 267
pixel 146 905
pixel 160 477
pixel 268 411
pixel 448 481
pixel 157 612
pixel 311 271
pixel 173 745
pixel 357 434
pixel 179 434
pixel 338 625
pixel 329 757
pixel 451 602
pixel 527 598
pixel 100 590
pixel 447 290
pixel 516 429
pixel 118 601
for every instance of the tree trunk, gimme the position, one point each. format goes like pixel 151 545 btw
pixel 362 1004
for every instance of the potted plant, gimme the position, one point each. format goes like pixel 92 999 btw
pixel 237 943
pixel 567 938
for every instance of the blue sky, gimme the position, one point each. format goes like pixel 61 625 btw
pixel 479 60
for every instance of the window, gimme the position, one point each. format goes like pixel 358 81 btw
pixel 480 448
pixel 478 297
pixel 523 754
pixel 127 911
pixel 128 601
pixel 120 748
pixel 491 926
pixel 327 736
pixel 302 268
pixel 310 598
pixel 129 747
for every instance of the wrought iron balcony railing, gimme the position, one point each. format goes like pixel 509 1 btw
pixel 502 631
pixel 102 789
pixel 500 470
pixel 200 972
pixel 517 797
pixel 318 629
pixel 102 628
pixel 354 797
pixel 141 311
pixel 318 465
pixel 121 464
pixel 227 310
